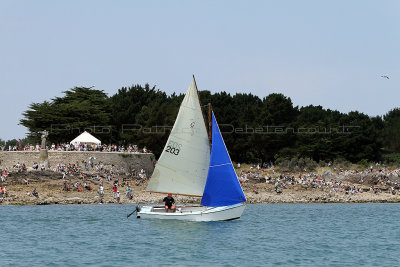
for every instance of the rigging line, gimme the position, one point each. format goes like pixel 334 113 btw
pixel 221 164
pixel 188 107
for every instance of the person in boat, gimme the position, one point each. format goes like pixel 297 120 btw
pixel 169 203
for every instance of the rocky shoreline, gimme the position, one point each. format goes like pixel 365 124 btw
pixel 49 186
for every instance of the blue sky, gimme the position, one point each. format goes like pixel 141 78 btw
pixel 329 53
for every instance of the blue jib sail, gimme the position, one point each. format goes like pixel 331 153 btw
pixel 222 186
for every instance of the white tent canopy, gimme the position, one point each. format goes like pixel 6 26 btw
pixel 85 138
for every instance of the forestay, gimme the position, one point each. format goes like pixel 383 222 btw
pixel 183 164
pixel 222 187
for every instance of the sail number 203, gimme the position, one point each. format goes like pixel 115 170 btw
pixel 173 148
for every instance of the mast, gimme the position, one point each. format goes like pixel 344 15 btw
pixel 209 123
pixel 202 110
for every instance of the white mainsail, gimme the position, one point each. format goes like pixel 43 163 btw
pixel 183 165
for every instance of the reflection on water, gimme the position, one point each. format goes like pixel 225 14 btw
pixel 192 231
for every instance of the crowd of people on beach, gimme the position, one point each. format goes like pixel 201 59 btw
pixel 336 180
pixel 81 147
pixel 96 170
pixel 87 172
pixel 86 168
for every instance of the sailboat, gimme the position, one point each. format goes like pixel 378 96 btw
pixel 191 165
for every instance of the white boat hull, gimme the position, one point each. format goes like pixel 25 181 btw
pixel 193 213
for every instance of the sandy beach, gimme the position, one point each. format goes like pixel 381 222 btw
pixel 49 186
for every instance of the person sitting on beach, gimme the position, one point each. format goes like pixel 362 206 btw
pixel 169 203
pixel 87 186
pixel 35 193
pixel 277 188
pixel 66 186
pixel 254 190
pixel 35 166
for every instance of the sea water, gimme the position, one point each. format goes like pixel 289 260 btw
pixel 266 235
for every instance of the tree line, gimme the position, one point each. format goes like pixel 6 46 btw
pixel 270 129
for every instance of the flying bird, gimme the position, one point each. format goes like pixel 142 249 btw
pixel 385 76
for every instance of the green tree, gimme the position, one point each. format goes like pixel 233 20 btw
pixel 277 113
pixel 390 132
pixel 142 116
pixel 254 129
pixel 64 117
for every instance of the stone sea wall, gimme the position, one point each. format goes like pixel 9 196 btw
pixel 129 161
